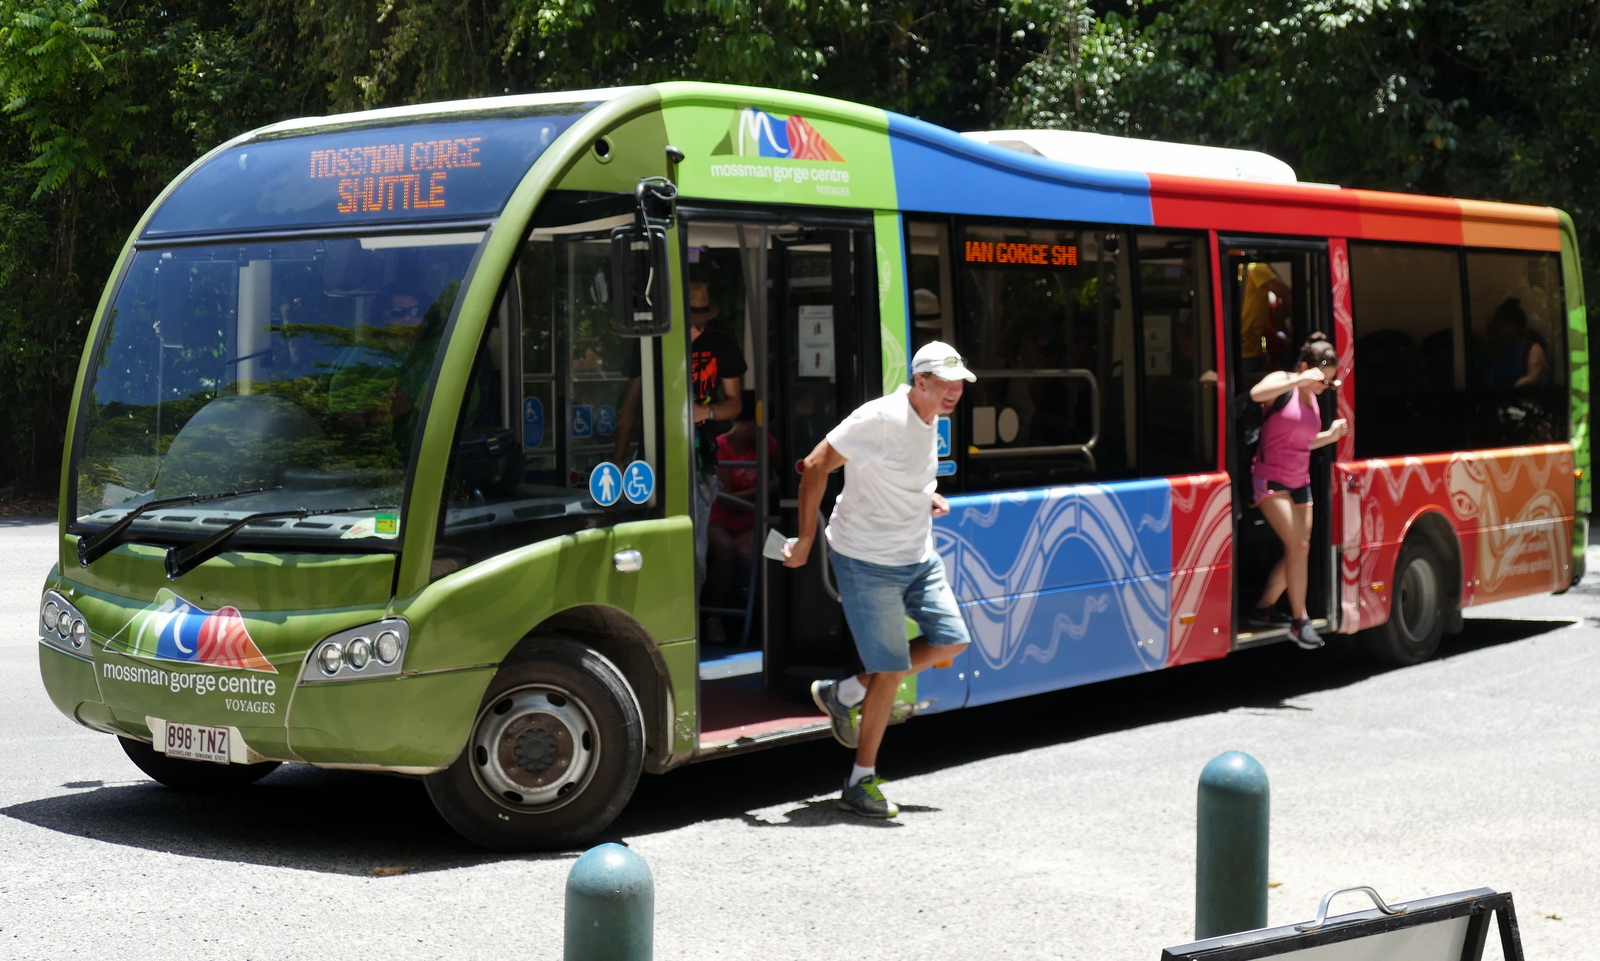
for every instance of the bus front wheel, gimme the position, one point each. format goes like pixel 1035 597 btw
pixel 1416 609
pixel 185 775
pixel 553 757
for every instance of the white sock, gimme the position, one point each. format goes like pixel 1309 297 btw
pixel 857 772
pixel 851 693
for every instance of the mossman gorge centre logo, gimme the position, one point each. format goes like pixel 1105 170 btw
pixel 759 135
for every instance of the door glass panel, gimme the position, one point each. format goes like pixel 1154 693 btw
pixel 554 393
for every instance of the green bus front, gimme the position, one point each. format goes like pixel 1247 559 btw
pixel 295 524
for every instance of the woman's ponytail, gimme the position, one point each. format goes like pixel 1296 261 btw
pixel 1317 350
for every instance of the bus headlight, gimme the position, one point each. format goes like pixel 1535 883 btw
pixel 62 625
pixel 330 657
pixel 368 651
pixel 387 647
pixel 358 653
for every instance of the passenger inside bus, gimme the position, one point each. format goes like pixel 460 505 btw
pixel 1264 341
pixel 731 531
pixel 1517 354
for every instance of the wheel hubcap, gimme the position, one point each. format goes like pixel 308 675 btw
pixel 534 748
pixel 1418 603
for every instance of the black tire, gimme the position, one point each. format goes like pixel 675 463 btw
pixel 1416 612
pixel 553 757
pixel 184 775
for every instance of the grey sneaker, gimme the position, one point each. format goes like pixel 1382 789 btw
pixel 846 720
pixel 1303 634
pixel 865 797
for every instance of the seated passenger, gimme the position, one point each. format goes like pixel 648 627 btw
pixel 1518 354
pixel 731 537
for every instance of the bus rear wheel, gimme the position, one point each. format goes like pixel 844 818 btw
pixel 553 756
pixel 1416 610
pixel 185 775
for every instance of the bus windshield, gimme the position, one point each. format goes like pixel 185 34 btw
pixel 293 370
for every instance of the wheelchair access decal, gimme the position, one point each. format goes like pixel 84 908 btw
pixel 605 483
pixel 638 482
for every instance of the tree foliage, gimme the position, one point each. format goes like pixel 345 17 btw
pixel 1488 99
pixel 102 102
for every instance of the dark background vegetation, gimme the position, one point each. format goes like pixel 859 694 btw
pixel 104 102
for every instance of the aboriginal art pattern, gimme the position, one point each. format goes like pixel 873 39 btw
pixel 172 629
pixel 756 133
pixel 1512 509
pixel 1071 585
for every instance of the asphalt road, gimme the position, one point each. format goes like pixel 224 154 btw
pixel 1061 826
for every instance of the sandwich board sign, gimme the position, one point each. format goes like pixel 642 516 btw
pixel 1450 927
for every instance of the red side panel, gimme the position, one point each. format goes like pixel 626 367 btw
pixel 1200 627
pixel 1346 511
pixel 1511 508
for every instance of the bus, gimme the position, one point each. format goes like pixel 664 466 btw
pixel 383 453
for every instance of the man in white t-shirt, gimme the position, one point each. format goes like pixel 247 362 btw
pixel 881 543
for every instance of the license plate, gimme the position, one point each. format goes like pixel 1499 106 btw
pixel 197 742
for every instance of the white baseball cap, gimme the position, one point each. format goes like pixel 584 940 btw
pixel 943 361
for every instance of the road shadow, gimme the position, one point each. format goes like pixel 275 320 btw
pixel 345 822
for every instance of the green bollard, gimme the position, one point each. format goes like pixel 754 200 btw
pixel 1230 874
pixel 611 903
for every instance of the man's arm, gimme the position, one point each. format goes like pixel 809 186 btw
pixel 725 409
pixel 821 462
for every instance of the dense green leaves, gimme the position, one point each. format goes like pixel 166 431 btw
pixel 1489 99
pixel 103 101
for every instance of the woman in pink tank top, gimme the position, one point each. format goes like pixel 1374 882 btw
pixel 1281 476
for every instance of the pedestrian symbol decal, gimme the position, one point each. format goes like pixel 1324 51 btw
pixel 943 424
pixel 638 482
pixel 532 422
pixel 605 483
pixel 605 420
pixel 583 421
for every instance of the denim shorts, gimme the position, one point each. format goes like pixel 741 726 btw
pixel 878 598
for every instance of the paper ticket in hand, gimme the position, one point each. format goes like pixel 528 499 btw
pixel 773 549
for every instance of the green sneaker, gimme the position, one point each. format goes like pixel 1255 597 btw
pixel 865 797
pixel 846 720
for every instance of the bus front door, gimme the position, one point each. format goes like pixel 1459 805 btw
pixel 1276 294
pixel 794 295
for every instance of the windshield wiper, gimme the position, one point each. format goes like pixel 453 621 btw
pixel 91 549
pixel 182 560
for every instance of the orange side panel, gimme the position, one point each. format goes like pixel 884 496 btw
pixel 1245 207
pixel 1505 225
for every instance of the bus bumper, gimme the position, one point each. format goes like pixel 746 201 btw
pixel 71 685
pixel 413 724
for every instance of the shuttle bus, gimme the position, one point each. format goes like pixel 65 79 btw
pixel 384 446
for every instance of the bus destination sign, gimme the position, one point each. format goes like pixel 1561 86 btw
pixel 1021 254
pixel 395 176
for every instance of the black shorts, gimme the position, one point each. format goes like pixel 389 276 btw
pixel 1263 487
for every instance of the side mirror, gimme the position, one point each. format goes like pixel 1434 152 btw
pixel 641 291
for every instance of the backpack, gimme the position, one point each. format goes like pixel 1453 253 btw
pixel 1249 417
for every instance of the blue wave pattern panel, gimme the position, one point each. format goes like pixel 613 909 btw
pixel 1061 586
pixel 940 171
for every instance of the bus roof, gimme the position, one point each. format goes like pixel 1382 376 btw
pixel 1148 156
pixel 772 146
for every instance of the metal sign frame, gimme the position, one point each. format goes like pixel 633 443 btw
pixel 1477 905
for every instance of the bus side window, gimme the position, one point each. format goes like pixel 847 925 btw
pixel 1177 355
pixel 1516 349
pixel 1446 365
pixel 554 393
pixel 1046 323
